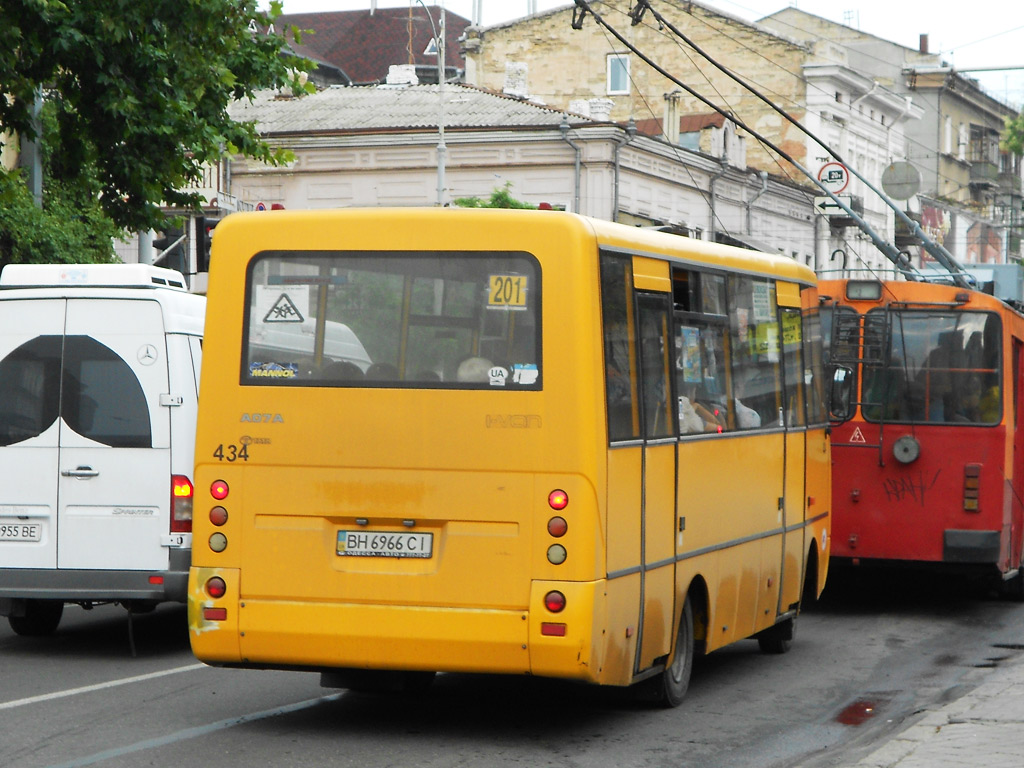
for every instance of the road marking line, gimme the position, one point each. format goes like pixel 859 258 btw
pixel 192 733
pixel 97 687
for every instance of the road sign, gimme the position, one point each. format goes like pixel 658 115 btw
pixel 834 177
pixel 830 207
pixel 261 206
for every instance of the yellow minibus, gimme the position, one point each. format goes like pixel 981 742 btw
pixel 502 441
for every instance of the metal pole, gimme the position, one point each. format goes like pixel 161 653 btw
pixel 441 148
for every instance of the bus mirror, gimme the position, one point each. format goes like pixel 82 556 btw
pixel 841 395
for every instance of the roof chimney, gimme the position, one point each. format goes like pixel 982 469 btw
pixel 923 44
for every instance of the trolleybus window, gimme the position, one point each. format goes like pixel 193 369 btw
pixel 374 319
pixel 943 368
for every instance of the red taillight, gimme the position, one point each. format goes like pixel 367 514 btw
pixel 558 500
pixel 557 526
pixel 219 490
pixel 215 586
pixel 554 601
pixel 218 515
pixel 181 504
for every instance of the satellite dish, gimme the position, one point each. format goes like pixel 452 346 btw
pixel 901 180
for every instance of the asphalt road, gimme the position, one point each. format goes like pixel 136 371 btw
pixel 868 657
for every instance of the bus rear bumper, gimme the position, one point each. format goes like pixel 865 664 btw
pixel 965 546
pixel 280 634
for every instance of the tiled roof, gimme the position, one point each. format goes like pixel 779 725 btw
pixel 368 108
pixel 364 44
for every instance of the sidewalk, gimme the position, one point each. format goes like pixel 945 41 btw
pixel 982 728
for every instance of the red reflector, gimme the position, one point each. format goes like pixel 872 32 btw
pixel 156 579
pixel 219 490
pixel 554 601
pixel 558 499
pixel 552 630
pixel 215 587
pixel 215 614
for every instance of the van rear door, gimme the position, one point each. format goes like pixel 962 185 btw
pixel 31 340
pixel 114 468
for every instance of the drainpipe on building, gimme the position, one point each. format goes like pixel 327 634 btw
pixel 750 203
pixel 563 127
pixel 630 134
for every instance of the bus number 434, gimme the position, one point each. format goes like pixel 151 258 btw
pixel 231 453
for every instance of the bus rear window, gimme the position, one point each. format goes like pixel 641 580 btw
pixel 393 319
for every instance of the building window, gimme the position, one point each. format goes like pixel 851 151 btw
pixel 618 73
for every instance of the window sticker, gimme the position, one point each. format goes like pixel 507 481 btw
pixel 273 370
pixel 275 304
pixel 497 376
pixel 688 347
pixel 763 309
pixel 525 373
pixel 507 292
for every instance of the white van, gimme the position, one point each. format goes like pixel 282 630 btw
pixel 99 379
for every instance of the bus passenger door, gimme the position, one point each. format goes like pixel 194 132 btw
pixel 659 480
pixel 794 510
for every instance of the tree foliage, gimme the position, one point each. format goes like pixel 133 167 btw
pixel 1013 135
pixel 501 197
pixel 140 92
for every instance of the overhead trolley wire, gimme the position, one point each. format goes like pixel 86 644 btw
pixel 583 7
pixel 935 249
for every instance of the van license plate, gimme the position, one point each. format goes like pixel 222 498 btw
pixel 21 531
pixel 385 544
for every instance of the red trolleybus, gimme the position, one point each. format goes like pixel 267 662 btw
pixel 928 456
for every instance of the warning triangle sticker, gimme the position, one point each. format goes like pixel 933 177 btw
pixel 857 436
pixel 283 311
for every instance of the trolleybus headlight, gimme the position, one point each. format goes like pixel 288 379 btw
pixel 215 587
pixel 219 490
pixel 218 542
pixel 218 515
pixel 554 601
pixel 557 526
pixel 558 500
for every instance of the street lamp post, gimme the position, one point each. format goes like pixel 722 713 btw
pixel 441 148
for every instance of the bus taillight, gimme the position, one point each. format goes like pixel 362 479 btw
pixel 219 490
pixel 558 500
pixel 181 504
pixel 972 486
pixel 554 601
pixel 215 587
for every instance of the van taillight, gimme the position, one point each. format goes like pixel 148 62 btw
pixel 181 504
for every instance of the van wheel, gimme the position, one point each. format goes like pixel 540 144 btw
pixel 41 618
pixel 777 639
pixel 669 688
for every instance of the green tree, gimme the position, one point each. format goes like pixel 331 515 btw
pixel 501 197
pixel 139 92
pixel 1013 135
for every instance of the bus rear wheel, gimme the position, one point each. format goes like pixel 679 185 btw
pixel 41 618
pixel 669 688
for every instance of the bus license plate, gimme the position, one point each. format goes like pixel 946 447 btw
pixel 385 544
pixel 21 531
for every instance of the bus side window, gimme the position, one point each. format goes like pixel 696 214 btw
pixel 620 340
pixel 755 347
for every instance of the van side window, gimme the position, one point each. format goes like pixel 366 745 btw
pixel 29 389
pixel 102 398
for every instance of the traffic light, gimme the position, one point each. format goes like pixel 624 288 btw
pixel 204 239
pixel 170 248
